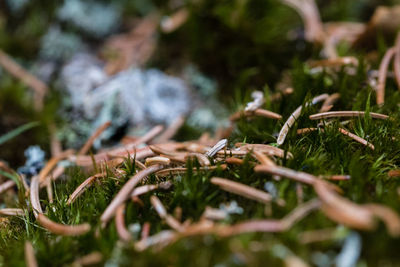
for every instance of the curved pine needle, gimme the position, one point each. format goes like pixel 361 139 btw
pixel 30 258
pixel 123 233
pixel 342 210
pixel 83 186
pixel 6 186
pixel 267 149
pixel 257 112
pixel 388 216
pixel 126 190
pixel 93 137
pixel 328 103
pixel 34 196
pixel 62 229
pixel 52 163
pixel 12 212
pixel 294 116
pixel 396 62
pixel 162 212
pixel 336 114
pixel 382 74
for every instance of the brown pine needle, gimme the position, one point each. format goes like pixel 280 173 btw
pixel 62 229
pixel 182 170
pixel 52 163
pixel 388 216
pixel 309 13
pixel 306 130
pixel 334 62
pixel 145 231
pixel 356 138
pixel 268 225
pixel 267 149
pixel 172 129
pixel 242 190
pixel 336 114
pixel 294 116
pixel 258 112
pixel 12 212
pixel 94 136
pixel 173 22
pixel 6 186
pixel 394 173
pixel 264 160
pixel 339 177
pixel 89 259
pixel 234 161
pixel 39 87
pixel 160 240
pixel 49 190
pixel 202 159
pixel 157 160
pixel 123 233
pixel 150 135
pixel 396 62
pixel 161 211
pixel 328 103
pixel 342 210
pixel 382 74
pixel 286 172
pixel 83 186
pixel 126 190
pixel 30 258
pixel 34 196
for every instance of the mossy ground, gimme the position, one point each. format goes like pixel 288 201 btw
pixel 252 51
pixel 320 153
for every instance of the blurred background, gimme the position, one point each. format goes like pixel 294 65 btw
pixel 141 63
